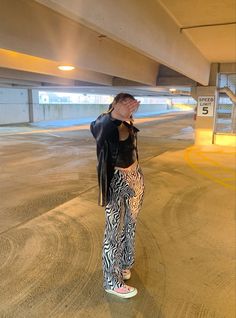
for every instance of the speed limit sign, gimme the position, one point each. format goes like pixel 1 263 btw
pixel 205 106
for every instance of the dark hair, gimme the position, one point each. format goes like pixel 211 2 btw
pixel 119 97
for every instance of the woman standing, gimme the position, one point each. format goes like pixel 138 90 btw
pixel 121 189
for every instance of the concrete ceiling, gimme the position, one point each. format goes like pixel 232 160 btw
pixel 208 25
pixel 140 44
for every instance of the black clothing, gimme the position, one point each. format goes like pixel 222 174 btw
pixel 105 131
pixel 127 154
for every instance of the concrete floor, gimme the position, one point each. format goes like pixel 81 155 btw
pixel 51 228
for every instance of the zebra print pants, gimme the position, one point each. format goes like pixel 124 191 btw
pixel 126 196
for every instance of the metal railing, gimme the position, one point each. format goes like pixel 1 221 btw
pixel 225 119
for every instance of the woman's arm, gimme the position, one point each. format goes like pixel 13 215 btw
pixel 107 123
pixel 104 126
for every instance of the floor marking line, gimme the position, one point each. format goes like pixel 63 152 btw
pixel 53 135
pixel 188 160
pixel 215 163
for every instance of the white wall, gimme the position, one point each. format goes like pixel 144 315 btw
pixel 44 112
pixel 14 106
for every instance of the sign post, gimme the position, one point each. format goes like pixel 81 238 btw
pixel 205 116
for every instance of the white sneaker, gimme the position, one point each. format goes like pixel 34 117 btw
pixel 126 273
pixel 123 292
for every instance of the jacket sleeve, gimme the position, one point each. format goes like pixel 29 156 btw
pixel 104 126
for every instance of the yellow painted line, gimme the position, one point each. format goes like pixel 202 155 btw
pixel 191 152
pixel 213 162
pixel 229 178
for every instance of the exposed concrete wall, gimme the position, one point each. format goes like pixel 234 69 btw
pixel 14 107
pixel 228 67
pixel 36 107
pixel 44 112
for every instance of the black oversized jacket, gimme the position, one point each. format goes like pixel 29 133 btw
pixel 105 131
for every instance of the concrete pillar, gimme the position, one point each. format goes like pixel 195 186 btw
pixel 30 102
pixel 206 106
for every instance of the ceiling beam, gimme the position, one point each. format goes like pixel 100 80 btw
pixel 227 68
pixel 175 81
pixel 23 62
pixel 40 79
pixel 33 29
pixel 144 26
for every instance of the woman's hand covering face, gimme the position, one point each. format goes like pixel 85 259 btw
pixel 124 109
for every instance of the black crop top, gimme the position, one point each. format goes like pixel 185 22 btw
pixel 127 154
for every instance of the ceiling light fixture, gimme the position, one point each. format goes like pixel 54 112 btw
pixel 172 90
pixel 66 67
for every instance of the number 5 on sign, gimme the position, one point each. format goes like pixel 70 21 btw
pixel 205 106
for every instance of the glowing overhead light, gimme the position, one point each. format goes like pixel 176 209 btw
pixel 66 67
pixel 172 90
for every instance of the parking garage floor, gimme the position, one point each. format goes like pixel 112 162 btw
pixel 51 228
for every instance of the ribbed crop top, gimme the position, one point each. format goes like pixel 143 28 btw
pixel 127 154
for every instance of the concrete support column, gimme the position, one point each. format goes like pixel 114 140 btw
pixel 30 103
pixel 206 107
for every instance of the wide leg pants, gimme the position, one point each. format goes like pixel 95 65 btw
pixel 126 196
